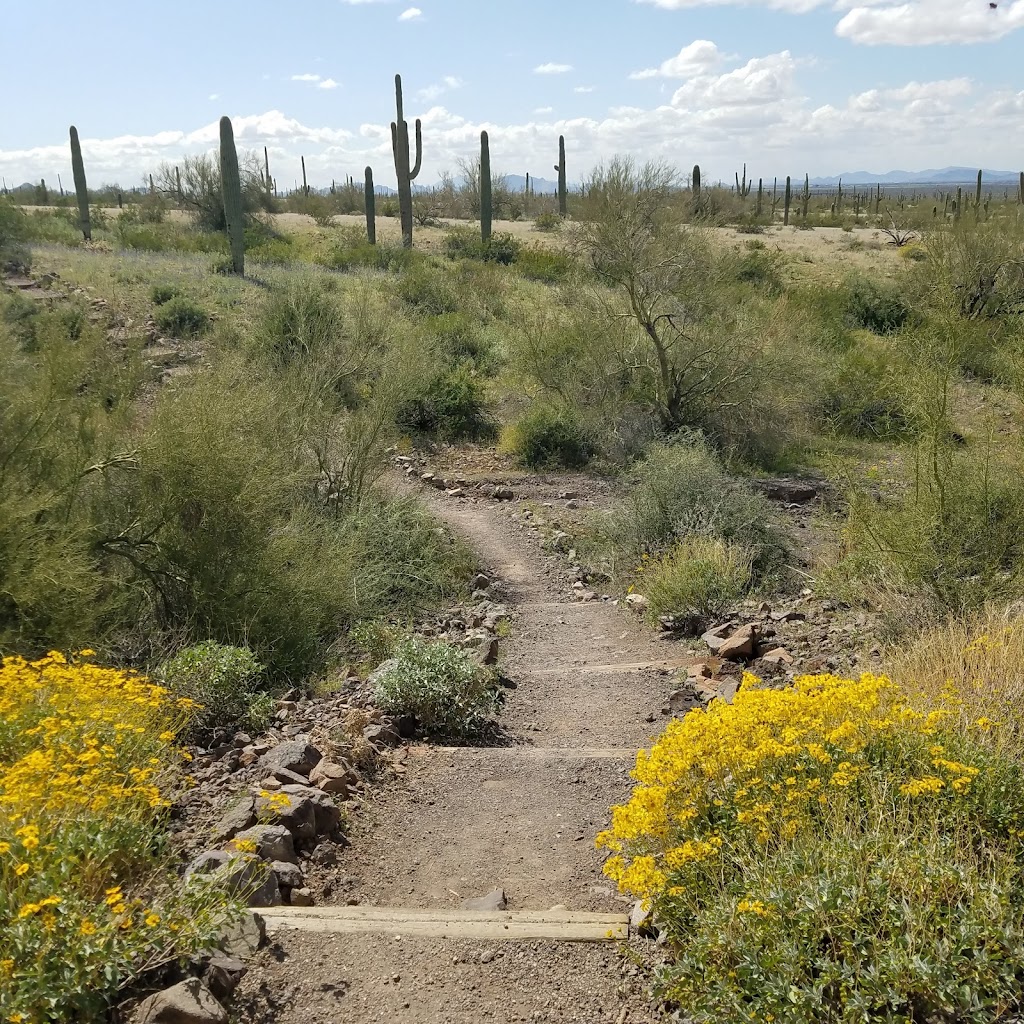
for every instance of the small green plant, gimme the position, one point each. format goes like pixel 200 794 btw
pixel 224 681
pixel 180 317
pixel 161 294
pixel 876 307
pixel 698 576
pixel 551 266
pixel 462 243
pixel 450 404
pixel 547 222
pixel 550 437
pixel 451 696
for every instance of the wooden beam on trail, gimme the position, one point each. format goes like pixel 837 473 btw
pixel 512 925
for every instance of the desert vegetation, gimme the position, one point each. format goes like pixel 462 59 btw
pixel 204 383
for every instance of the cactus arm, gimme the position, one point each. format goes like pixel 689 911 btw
pixel 415 172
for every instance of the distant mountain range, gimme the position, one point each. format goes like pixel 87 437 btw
pixel 933 176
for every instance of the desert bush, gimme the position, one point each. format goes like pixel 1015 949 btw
pixel 465 243
pixel 864 397
pixel 14 232
pixel 449 403
pixel 200 189
pixel 549 437
pixel 697 576
pixel 837 808
pixel 876 307
pixel 429 288
pixel 552 266
pixel 682 491
pixel 762 267
pixel 182 317
pixel 459 337
pixel 358 253
pixel 451 697
pixel 160 294
pixel 224 682
pixel 547 221
pixel 89 899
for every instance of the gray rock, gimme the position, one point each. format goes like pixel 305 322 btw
pixel 326 813
pixel 481 582
pixel 298 815
pixel 240 874
pixel 224 974
pixel 503 493
pixel 301 898
pixel 382 735
pixel 381 670
pixel 640 918
pixel 287 777
pixel 243 937
pixel 491 902
pixel 240 815
pixel 292 755
pixel 273 842
pixel 332 778
pixel 289 876
pixel 189 1002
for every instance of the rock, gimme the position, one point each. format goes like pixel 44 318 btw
pixel 243 937
pixel 301 898
pixel 793 492
pixel 224 974
pixel 637 602
pixel 779 656
pixel 790 616
pixel 503 494
pixel 240 874
pixel 491 902
pixel 289 876
pixel 681 701
pixel 298 815
pixel 189 1002
pixel 700 671
pixel 641 918
pixel 741 645
pixel 240 815
pixel 714 638
pixel 382 735
pixel 292 755
pixel 381 670
pixel 455 492
pixel 486 653
pixel 287 777
pixel 481 582
pixel 727 689
pixel 332 778
pixel 327 814
pixel 273 842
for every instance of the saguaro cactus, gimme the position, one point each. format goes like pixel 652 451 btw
pixel 267 180
pixel 406 174
pixel 806 197
pixel 370 200
pixel 81 189
pixel 231 187
pixel 1020 192
pixel 742 188
pixel 789 199
pixel 305 186
pixel 563 201
pixel 760 197
pixel 485 188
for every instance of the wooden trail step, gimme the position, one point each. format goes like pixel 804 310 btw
pixel 626 666
pixel 538 753
pixel 512 925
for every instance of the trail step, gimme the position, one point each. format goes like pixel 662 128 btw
pixel 626 666
pixel 539 753
pixel 513 925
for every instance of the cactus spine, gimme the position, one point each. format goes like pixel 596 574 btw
pixel 563 201
pixel 231 187
pixel 789 199
pixel 371 207
pixel 406 174
pixel 81 189
pixel 485 188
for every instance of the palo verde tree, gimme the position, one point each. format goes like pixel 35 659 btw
pixel 665 285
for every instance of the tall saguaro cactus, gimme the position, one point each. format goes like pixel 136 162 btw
pixel 742 187
pixel 81 189
pixel 563 201
pixel 806 197
pixel 789 200
pixel 370 200
pixel 486 210
pixel 231 187
pixel 406 174
pixel 695 187
pixel 305 186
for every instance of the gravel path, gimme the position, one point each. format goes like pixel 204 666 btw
pixel 461 823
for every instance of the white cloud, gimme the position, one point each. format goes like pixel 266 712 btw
pixel 306 78
pixel 552 69
pixel 214 96
pixel 410 14
pixel 327 83
pixel 543 110
pixel 435 89
pixel 699 56
pixel 584 89
pixel 893 22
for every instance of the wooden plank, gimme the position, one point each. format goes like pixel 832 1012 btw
pixel 543 753
pixel 515 925
pixel 626 666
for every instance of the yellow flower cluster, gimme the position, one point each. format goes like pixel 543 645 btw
pixel 767 767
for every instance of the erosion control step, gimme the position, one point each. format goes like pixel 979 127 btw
pixel 537 753
pixel 559 925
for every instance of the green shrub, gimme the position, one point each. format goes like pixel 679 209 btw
pixel 762 267
pixel 876 307
pixel 224 681
pixel 14 232
pixel 358 253
pixel 451 697
pixel 550 437
pixel 552 266
pixel 459 338
pixel 430 289
pixel 547 222
pixel 464 243
pixel 697 576
pixel 451 404
pixel 160 294
pixel 681 491
pixel 181 317
pixel 298 320
pixel 863 397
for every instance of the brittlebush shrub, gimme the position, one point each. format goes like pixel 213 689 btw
pixel 835 852
pixel 87 900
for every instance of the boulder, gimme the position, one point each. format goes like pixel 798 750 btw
pixel 241 874
pixel 491 902
pixel 637 602
pixel 224 974
pixel 289 876
pixel 740 646
pixel 240 815
pixel 779 656
pixel 189 1002
pixel 332 778
pixel 326 813
pixel 298 815
pixel 273 842
pixel 243 936
pixel 293 756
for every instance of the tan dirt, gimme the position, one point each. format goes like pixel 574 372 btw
pixel 461 823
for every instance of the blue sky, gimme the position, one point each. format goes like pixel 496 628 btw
pixel 785 85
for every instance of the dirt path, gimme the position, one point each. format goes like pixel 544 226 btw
pixel 520 818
